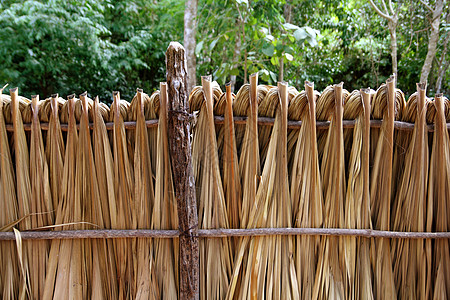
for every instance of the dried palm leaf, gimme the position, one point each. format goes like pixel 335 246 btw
pixel 7 109
pixel 324 114
pixel 9 272
pixel 241 106
pixel 249 167
pixel 104 170
pixel 41 200
pixel 438 195
pixel 270 271
pixel 23 188
pixel 357 209
pixel 66 264
pixel 273 263
pixel 123 191
pixel 55 156
pixel 380 190
pixel 165 215
pixel 232 178
pixel 330 281
pixel 146 283
pixel 410 268
pixel 267 108
pixel 196 99
pixel 215 254
pixel 306 189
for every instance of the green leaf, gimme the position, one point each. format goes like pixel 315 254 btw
pixel 269 37
pixel 264 74
pixel 289 26
pixel 268 50
pixel 234 71
pixel 213 44
pixel 311 32
pixel 273 76
pixel 198 48
pixel 300 34
pixel 288 56
pixel 274 60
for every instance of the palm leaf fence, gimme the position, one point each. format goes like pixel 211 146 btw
pixel 284 194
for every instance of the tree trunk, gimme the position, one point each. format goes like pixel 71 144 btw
pixel 443 62
pixel 281 74
pixel 392 24
pixel 432 42
pixel 190 29
pixel 441 75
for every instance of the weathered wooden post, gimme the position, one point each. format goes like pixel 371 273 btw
pixel 183 175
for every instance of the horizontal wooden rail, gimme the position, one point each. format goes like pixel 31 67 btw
pixel 263 121
pixel 219 233
pixel 109 125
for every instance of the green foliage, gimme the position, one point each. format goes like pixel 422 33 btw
pixel 51 46
pixel 73 46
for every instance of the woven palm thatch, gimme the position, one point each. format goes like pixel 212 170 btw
pixel 79 164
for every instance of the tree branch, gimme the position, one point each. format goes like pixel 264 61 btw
pixel 383 15
pixel 427 5
pixel 390 7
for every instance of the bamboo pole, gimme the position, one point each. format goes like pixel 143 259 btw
pixel 183 175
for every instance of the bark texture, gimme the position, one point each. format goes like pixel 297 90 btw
pixel 432 41
pixel 190 29
pixel 183 175
pixel 387 12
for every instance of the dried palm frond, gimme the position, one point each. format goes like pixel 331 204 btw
pixel 215 254
pixel 151 112
pixel 9 271
pixel 123 191
pixel 7 108
pixel 357 209
pixel 66 264
pixel 41 201
pixel 401 137
pixel 196 100
pixel 306 189
pixel 271 256
pixel 241 106
pixel 55 156
pixel 410 268
pixel 296 109
pixel 267 108
pixel 249 167
pixel 104 169
pixel 149 108
pixel 324 114
pixel 380 189
pixel 95 252
pixel 45 108
pixel 330 281
pixel 78 111
pixel 165 215
pixel 232 178
pixel 270 271
pixel 146 283
pixel 438 195
pixel 196 97
pixel 23 188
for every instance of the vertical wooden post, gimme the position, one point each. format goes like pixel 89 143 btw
pixel 183 175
